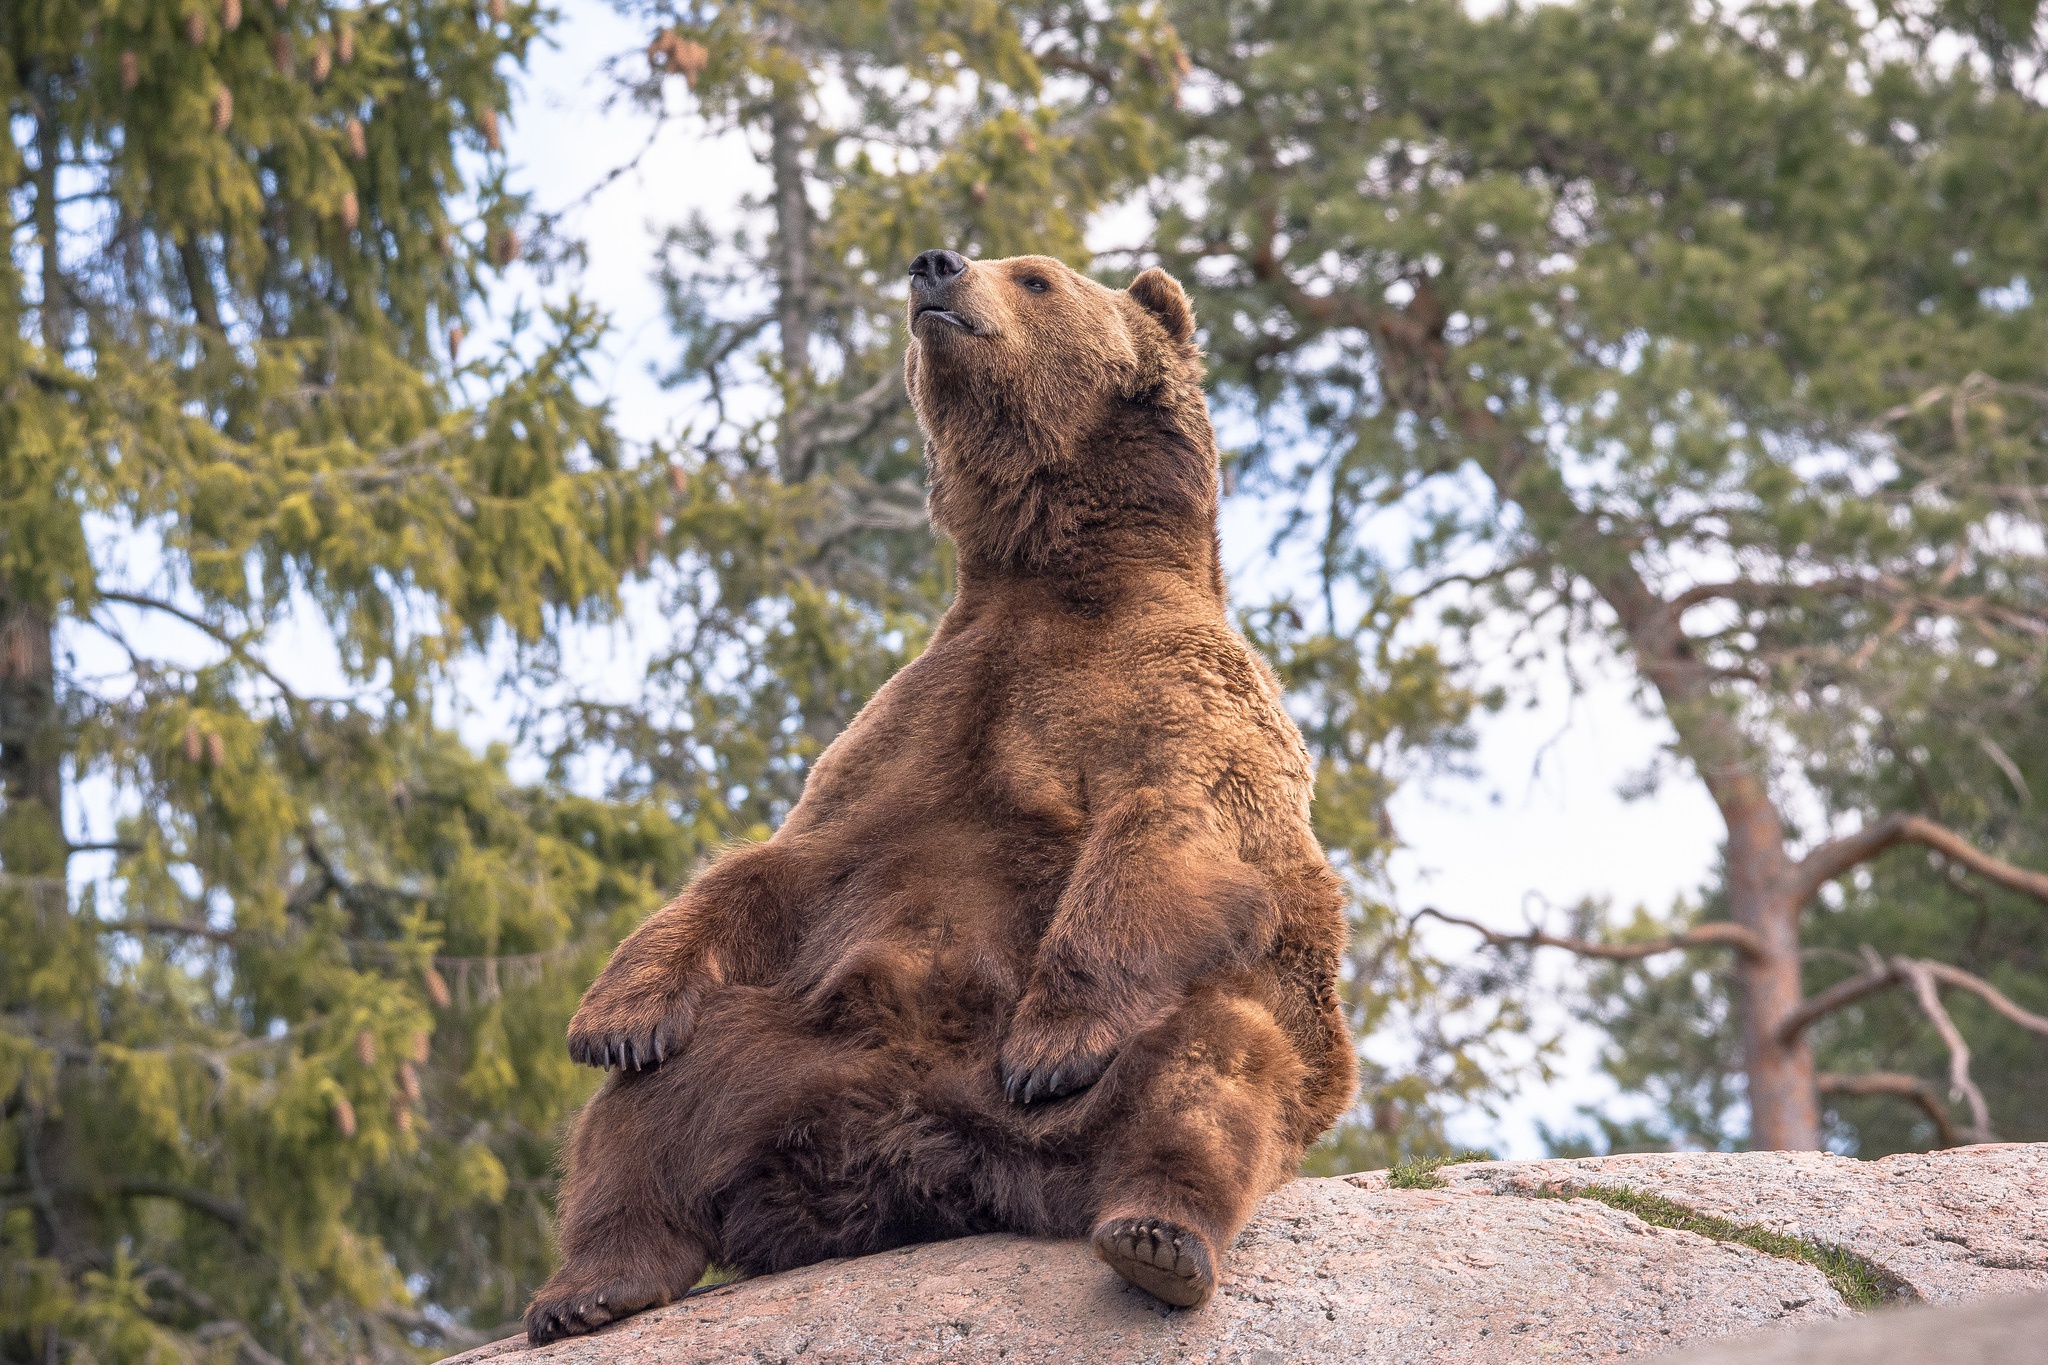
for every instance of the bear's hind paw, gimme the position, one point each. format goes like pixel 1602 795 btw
pixel 1162 1258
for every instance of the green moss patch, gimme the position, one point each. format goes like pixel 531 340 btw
pixel 1861 1283
pixel 1421 1173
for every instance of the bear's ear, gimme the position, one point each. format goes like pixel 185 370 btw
pixel 1164 299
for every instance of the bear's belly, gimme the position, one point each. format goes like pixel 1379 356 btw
pixel 930 942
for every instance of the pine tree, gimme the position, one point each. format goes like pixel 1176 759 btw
pixel 1711 336
pixel 280 1060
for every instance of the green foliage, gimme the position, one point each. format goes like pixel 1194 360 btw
pixel 288 1068
pixel 1712 335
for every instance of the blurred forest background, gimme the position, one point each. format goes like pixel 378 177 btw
pixel 1705 339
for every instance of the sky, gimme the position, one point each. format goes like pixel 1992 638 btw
pixel 1539 823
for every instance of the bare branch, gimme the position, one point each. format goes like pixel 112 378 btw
pixel 1838 996
pixel 1895 1083
pixel 1990 994
pixel 1838 856
pixel 1715 935
pixel 1959 1083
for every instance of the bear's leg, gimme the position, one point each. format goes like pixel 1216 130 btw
pixel 1202 1129
pixel 622 1230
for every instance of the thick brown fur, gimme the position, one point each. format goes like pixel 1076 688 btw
pixel 1047 945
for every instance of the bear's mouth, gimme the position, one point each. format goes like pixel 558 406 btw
pixel 945 315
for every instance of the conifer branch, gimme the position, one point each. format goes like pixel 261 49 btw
pixel 233 644
pixel 1718 934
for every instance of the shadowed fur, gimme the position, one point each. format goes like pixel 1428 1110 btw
pixel 1047 946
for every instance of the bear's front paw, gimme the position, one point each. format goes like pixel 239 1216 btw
pixel 629 1034
pixel 1047 1056
pixel 577 1301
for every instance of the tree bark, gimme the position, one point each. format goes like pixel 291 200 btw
pixel 793 280
pixel 1764 886
pixel 31 745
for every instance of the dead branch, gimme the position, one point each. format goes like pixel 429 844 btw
pixel 1900 1084
pixel 1990 994
pixel 1715 935
pixel 1838 856
pixel 1838 996
pixel 1959 1083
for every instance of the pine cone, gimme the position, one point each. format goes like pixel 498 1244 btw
pixel 366 1047
pixel 223 109
pixel 455 335
pixel 401 1116
pixel 422 1047
pixel 409 1081
pixel 216 749
pixel 195 29
pixel 505 249
pixel 230 15
pixel 498 11
pixel 131 70
pixel 487 120
pixel 345 44
pixel 323 60
pixel 358 144
pixel 678 478
pixel 345 1116
pixel 351 211
pixel 281 52
pixel 437 990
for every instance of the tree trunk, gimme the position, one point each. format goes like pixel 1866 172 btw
pixel 793 280
pixel 1784 1096
pixel 32 842
pixel 1763 887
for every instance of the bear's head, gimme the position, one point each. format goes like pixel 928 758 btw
pixel 1065 427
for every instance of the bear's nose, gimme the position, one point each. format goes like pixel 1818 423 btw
pixel 934 268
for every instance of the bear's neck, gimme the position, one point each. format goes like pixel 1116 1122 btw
pixel 1099 578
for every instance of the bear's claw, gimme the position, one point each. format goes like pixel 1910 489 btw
pixel 625 1049
pixel 568 1311
pixel 1052 1079
pixel 1162 1258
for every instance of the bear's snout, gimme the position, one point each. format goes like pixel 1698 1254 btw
pixel 934 268
pixel 934 297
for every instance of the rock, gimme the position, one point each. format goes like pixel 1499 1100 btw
pixel 1960 1224
pixel 1353 1270
pixel 1987 1332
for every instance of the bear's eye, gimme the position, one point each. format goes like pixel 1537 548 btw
pixel 1036 283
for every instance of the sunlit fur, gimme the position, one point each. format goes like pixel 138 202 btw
pixel 1065 854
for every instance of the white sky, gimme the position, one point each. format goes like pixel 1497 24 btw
pixel 1542 821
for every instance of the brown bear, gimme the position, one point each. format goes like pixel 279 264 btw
pixel 1048 945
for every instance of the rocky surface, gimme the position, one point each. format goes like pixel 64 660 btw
pixel 2010 1331
pixel 1960 1224
pixel 1353 1270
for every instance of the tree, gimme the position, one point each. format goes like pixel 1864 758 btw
pixel 281 1081
pixel 1713 335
